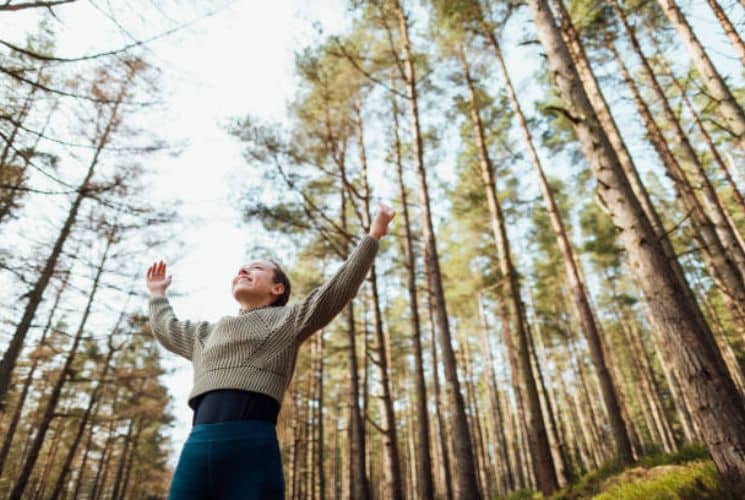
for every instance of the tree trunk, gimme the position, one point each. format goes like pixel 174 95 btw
pixel 464 466
pixel 711 204
pixel 700 125
pixel 394 479
pixel 15 419
pixel 444 454
pixel 99 482
pixel 8 362
pixel 729 29
pixel 506 482
pixel 721 264
pixel 320 449
pixel 424 461
pixel 540 448
pixel 122 459
pixel 556 440
pixel 358 486
pixel 86 453
pixel 576 284
pixel 727 105
pixel 719 408
pixel 54 397
pixel 92 401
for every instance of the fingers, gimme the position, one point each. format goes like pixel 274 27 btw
pixel 157 270
pixel 385 210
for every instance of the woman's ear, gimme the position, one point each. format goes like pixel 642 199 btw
pixel 278 289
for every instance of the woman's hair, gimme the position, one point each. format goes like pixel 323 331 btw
pixel 281 277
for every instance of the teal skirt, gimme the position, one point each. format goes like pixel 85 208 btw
pixel 231 460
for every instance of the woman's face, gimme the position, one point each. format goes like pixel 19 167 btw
pixel 255 283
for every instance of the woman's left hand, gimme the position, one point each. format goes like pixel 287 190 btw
pixel 379 226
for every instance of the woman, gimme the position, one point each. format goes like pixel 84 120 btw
pixel 242 366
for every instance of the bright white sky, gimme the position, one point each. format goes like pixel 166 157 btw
pixel 236 62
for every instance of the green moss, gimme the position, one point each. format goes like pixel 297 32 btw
pixel 597 481
pixel 695 480
pixel 524 495
pixel 588 484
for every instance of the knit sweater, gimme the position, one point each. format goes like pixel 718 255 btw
pixel 256 350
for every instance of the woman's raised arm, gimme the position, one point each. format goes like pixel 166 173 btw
pixel 322 304
pixel 176 336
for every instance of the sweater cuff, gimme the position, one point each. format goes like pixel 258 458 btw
pixel 369 243
pixel 157 301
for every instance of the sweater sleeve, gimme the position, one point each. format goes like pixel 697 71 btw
pixel 322 304
pixel 176 336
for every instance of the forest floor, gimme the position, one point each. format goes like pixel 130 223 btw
pixel 688 474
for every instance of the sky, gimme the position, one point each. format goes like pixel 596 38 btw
pixel 237 61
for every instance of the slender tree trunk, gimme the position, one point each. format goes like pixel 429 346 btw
pixel 579 292
pixel 99 481
pixel 700 125
pixel 122 459
pixel 86 453
pixel 719 407
pixel 92 402
pixel 722 265
pixel 540 448
pixel 49 411
pixel 41 481
pixel 464 466
pixel 8 362
pixel 497 422
pixel 394 478
pixel 444 454
pixel 555 439
pixel 727 106
pixel 15 419
pixel 358 485
pixel 711 204
pixel 424 461
pixel 320 448
pixel 729 29
pixel 131 456
pixel 476 436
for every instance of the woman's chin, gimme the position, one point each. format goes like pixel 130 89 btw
pixel 240 295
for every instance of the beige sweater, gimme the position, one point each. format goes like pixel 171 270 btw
pixel 256 350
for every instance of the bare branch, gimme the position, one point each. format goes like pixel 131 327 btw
pixel 33 5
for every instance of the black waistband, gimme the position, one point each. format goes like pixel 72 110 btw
pixel 222 405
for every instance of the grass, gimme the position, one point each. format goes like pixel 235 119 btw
pixel 686 474
pixel 697 480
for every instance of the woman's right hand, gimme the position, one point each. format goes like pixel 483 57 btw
pixel 157 282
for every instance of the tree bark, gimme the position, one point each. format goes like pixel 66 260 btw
pixel 54 397
pixel 464 466
pixel 497 424
pixel 540 448
pixel 92 401
pixel 424 461
pixel 722 266
pixel 729 29
pixel 727 106
pixel 700 125
pixel 15 419
pixel 576 284
pixel 711 203
pixel 719 407
pixel 444 453
pixel 8 362
pixel 394 478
